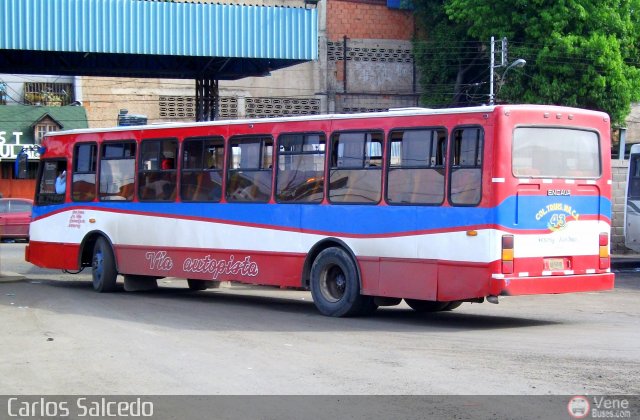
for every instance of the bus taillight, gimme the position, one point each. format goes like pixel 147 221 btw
pixel 507 254
pixel 604 250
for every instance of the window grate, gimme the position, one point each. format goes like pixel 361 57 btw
pixel 384 55
pixel 355 110
pixel 185 107
pixel 281 107
pixel 48 94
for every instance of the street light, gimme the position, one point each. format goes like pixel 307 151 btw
pixel 520 62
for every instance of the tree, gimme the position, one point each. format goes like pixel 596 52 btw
pixel 451 63
pixel 579 52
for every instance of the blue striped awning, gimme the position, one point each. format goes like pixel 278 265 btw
pixel 158 28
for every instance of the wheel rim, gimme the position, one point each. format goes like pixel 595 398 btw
pixel 98 266
pixel 333 283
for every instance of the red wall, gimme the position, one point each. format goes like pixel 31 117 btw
pixel 367 20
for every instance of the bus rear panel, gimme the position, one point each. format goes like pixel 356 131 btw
pixel 555 206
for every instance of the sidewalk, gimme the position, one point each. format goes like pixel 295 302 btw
pixel 9 277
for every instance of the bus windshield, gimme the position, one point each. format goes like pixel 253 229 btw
pixel 553 152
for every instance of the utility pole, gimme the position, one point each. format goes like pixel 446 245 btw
pixel 493 65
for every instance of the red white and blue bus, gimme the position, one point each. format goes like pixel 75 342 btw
pixel 436 207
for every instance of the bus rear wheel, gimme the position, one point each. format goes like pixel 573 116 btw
pixel 335 285
pixel 422 306
pixel 103 267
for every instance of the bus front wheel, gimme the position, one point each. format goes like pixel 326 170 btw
pixel 335 285
pixel 103 267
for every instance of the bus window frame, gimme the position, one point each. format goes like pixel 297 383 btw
pixel 101 157
pixel 601 156
pixel 451 167
pixel 443 167
pixel 330 167
pixel 203 170
pixel 74 163
pixel 229 170
pixel 60 198
pixel 276 164
pixel 141 171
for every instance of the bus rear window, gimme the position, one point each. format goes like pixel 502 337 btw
pixel 553 152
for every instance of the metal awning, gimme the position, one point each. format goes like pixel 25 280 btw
pixel 144 38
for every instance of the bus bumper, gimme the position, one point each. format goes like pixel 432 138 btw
pixel 511 286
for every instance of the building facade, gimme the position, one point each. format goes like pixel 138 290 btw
pixel 31 106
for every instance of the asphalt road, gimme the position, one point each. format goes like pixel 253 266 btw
pixel 60 337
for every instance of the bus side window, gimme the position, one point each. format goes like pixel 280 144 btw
pixel 416 166
pixel 250 168
pixel 117 171
pixel 83 186
pixel 202 169
pixel 465 187
pixel 157 173
pixel 300 176
pixel 355 175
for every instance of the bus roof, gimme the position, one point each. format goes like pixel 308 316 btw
pixel 394 112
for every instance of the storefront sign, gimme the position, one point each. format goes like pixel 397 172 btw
pixel 10 146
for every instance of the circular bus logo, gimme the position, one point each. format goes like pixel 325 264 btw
pixel 558 215
pixel 578 407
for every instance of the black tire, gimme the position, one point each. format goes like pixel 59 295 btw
pixel 103 267
pixel 202 284
pixel 452 305
pixel 335 285
pixel 422 306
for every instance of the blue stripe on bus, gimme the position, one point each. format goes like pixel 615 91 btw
pixel 526 213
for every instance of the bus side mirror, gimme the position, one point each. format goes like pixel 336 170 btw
pixel 20 169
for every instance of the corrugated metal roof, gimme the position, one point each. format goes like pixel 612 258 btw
pixel 159 28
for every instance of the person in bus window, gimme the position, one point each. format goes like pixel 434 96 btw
pixel 61 182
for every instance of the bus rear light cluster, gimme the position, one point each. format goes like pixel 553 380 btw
pixel 507 254
pixel 604 250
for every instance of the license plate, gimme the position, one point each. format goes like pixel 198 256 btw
pixel 554 264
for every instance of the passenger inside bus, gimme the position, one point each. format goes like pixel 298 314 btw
pixel 157 187
pixel 61 180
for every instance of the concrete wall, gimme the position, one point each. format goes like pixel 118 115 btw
pixel 103 97
pixel 372 66
pixel 376 71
